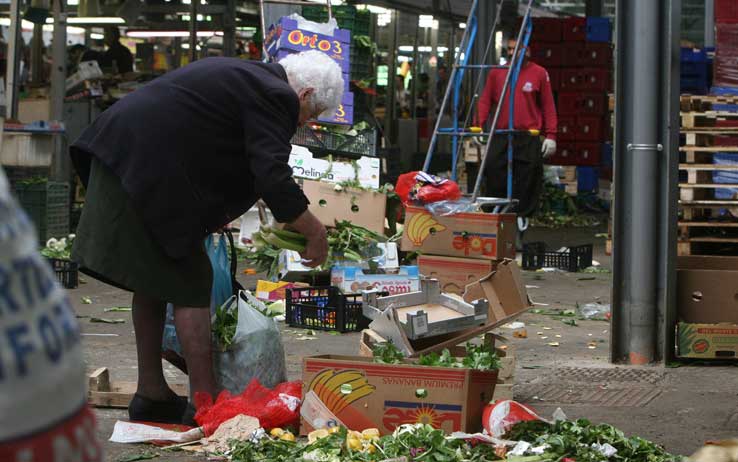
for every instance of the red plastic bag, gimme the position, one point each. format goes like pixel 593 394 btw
pixel 499 417
pixel 278 407
pixel 425 188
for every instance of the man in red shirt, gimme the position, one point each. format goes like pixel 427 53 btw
pixel 534 108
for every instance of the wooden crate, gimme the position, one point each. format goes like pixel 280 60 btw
pixel 104 393
pixel 711 119
pixel 701 103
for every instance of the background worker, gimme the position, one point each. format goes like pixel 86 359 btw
pixel 174 161
pixel 117 57
pixel 534 109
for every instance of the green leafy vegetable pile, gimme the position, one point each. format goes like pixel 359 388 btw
pixel 478 357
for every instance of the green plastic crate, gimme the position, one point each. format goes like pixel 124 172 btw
pixel 47 204
pixel 347 17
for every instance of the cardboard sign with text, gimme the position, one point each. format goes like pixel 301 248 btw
pixel 366 169
pixel 353 280
pixel 707 341
pixel 362 208
pixel 454 273
pixel 469 235
pixel 363 394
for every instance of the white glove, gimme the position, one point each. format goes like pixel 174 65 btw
pixel 548 148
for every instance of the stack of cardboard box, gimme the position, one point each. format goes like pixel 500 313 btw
pixel 458 249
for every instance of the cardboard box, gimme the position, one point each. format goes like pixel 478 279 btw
pixel 305 166
pixel 707 341
pixel 706 289
pixel 471 235
pixel 454 273
pixel 362 208
pixel 507 298
pixel 285 35
pixel 386 396
pixel 344 115
pixel 290 267
pixel 352 280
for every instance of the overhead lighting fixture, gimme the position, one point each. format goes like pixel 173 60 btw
pixel 72 2
pixel 403 59
pixel 96 20
pixel 94 36
pixel 442 49
pixel 186 46
pixel 462 25
pixel 406 48
pixel 168 33
pixel 374 9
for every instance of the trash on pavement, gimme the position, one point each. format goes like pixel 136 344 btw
pixel 595 311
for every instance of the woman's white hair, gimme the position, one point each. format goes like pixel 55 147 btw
pixel 314 69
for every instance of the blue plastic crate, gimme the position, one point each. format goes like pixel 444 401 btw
pixel 693 55
pixel 725 107
pixel 588 179
pixel 694 68
pixel 724 91
pixel 606 160
pixel 598 29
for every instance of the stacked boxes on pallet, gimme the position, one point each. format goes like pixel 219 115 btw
pixel 726 47
pixel 285 38
pixel 577 54
pixel 694 74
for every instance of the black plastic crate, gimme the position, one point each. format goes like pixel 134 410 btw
pixel 67 272
pixel 325 142
pixel 536 256
pixel 324 308
pixel 47 204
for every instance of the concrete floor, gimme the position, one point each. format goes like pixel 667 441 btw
pixel 680 408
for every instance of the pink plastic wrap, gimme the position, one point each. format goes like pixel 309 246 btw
pixel 726 55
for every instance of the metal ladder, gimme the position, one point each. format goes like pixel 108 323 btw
pixel 458 133
pixel 262 17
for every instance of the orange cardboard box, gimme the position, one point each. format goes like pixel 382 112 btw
pixel 362 394
pixel 469 235
pixel 362 208
pixel 454 273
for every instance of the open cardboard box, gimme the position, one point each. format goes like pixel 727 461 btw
pixel 503 289
pixel 454 273
pixel 358 393
pixel 707 289
pixel 360 207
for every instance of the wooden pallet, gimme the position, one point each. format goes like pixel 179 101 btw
pixel 701 103
pixel 707 119
pixel 709 138
pixel 704 246
pixel 104 393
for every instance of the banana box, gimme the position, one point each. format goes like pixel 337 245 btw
pixel 356 392
pixel 469 235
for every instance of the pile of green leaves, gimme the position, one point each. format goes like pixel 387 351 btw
pixel 558 209
pixel 479 357
pixel 327 449
pixel 224 325
pixel 574 439
pixel 59 248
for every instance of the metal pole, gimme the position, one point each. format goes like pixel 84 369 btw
pixel 193 29
pixel 229 29
pixel 416 69
pixel 37 58
pixel 62 170
pixel 483 164
pixel 645 177
pixel 709 23
pixel 177 46
pixel 12 76
pixel 389 114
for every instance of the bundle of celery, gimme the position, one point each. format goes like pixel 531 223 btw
pixel 346 241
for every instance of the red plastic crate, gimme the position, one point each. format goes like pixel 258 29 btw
pixel 571 103
pixel 567 128
pixel 571 79
pixel 596 55
pixel 554 75
pixel 726 11
pixel 575 29
pixel 589 128
pixel 584 154
pixel 546 29
pixel 594 79
pixel 572 54
pixel 547 54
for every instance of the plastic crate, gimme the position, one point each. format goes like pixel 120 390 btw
pixel 546 29
pixel 47 204
pixel 567 128
pixel 692 55
pixel 320 141
pixel 324 308
pixel 726 11
pixel 547 55
pixel 574 103
pixel 535 256
pixel 571 55
pixel 587 179
pixel 17 175
pixel 347 17
pixel 589 128
pixel 67 272
pixel 596 55
pixel 575 29
pixel 598 29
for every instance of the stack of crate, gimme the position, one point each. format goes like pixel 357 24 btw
pixel 577 54
pixel 708 189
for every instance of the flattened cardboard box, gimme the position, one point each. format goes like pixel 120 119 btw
pixel 454 273
pixel 470 235
pixel 386 396
pixel 706 289
pixel 362 208
pixel 707 341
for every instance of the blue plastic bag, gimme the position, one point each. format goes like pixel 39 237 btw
pixel 222 289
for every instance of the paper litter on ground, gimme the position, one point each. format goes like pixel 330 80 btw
pixel 129 432
pixel 240 428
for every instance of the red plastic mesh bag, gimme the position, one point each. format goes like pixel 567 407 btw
pixel 425 188
pixel 277 407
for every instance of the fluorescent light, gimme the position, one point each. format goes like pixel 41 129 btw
pixel 406 48
pixel 186 46
pixel 384 19
pixel 425 21
pixel 72 2
pixel 167 33
pixel 462 25
pixel 96 20
pixel 403 59
pixel 442 49
pixel 425 49
pixel 94 36
pixel 374 9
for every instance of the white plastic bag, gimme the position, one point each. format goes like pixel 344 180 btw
pixel 256 350
pixel 327 28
